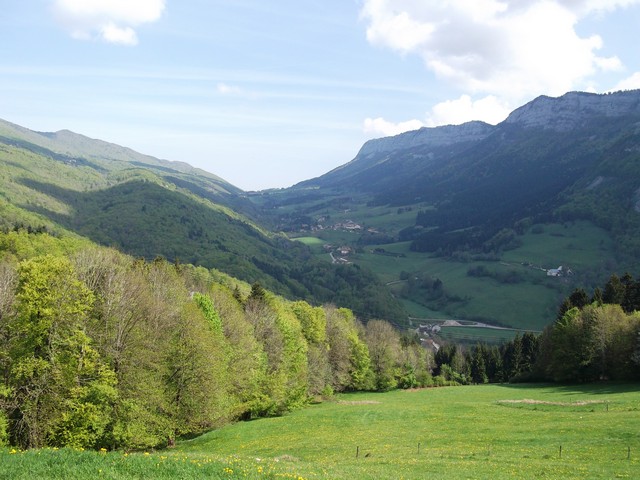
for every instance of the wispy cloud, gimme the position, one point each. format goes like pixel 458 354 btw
pixel 112 21
pixel 225 89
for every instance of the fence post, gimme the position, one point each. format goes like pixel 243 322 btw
pixel 418 448
pixel 357 452
pixel 560 451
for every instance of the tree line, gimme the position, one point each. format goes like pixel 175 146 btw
pixel 100 350
pixel 594 337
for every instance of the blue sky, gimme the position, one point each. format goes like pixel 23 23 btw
pixel 270 93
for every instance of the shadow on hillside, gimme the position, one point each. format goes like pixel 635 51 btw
pixel 146 219
pixel 45 152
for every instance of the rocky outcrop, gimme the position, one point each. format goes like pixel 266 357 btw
pixel 430 137
pixel 408 154
pixel 574 109
pixel 564 113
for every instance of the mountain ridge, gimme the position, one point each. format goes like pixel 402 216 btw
pixel 573 110
pixel 75 145
pixel 571 162
pixel 429 136
pixel 472 190
pixel 63 182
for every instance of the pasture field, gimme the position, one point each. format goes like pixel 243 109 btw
pixel 463 432
pixel 518 276
pixel 314 243
pixel 479 298
pixel 310 241
pixel 580 246
pixel 473 335
pixel 471 432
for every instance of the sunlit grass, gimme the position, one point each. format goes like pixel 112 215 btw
pixel 475 334
pixel 72 464
pixel 479 432
pixel 311 241
pixel 459 432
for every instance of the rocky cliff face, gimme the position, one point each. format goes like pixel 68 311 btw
pixel 390 156
pixel 430 137
pixel 564 113
pixel 574 109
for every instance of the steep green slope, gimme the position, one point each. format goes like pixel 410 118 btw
pixel 148 207
pixel 115 163
pixel 521 169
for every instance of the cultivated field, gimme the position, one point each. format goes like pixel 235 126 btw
pixel 478 432
pixel 579 246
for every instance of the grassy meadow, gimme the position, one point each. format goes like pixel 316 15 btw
pixel 580 246
pixel 474 335
pixel 479 432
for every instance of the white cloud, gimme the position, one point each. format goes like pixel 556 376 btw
pixel 629 83
pixel 112 21
pixel 585 7
pixel 451 112
pixel 508 48
pixel 122 35
pixel 399 31
pixel 381 127
pixel 506 51
pixel 454 112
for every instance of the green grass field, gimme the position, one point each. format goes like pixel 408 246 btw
pixel 314 243
pixel 484 298
pixel 580 246
pixel 478 432
pixel 473 335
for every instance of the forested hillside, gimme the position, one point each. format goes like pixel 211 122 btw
pixel 100 350
pixel 575 157
pixel 461 221
pixel 152 208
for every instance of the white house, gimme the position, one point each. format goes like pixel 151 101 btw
pixel 555 272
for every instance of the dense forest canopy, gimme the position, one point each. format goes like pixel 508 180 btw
pixel 147 207
pixel 100 350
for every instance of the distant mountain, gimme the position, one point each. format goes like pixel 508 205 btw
pixel 147 207
pixel 74 149
pixel 576 156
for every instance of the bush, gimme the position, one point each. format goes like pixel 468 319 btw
pixel 4 430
